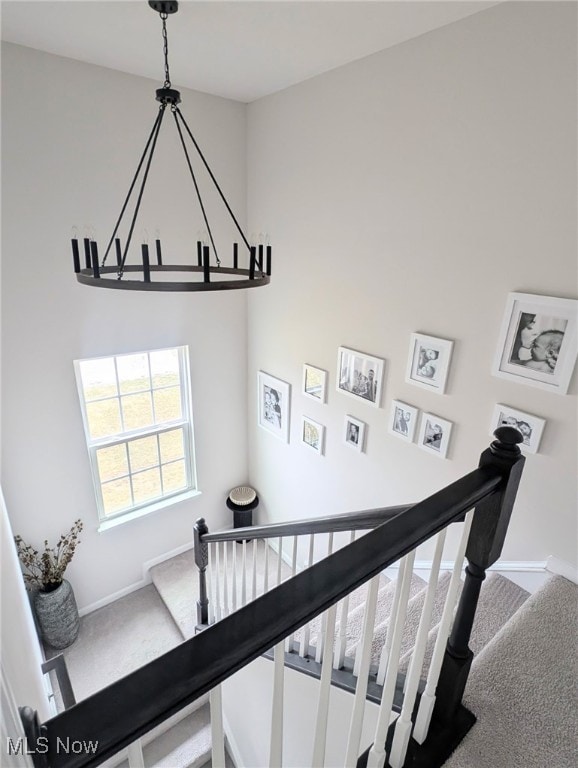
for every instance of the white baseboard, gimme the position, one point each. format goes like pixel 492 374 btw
pixel 562 568
pixel 146 579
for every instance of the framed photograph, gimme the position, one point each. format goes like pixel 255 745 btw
pixel 360 376
pixel 531 427
pixel 273 405
pixel 403 420
pixel 429 362
pixel 312 435
pixel 354 433
pixel 314 383
pixel 434 434
pixel 537 344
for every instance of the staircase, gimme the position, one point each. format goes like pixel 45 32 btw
pixel 176 581
pixel 310 613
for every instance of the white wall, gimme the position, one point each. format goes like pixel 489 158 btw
pixel 247 705
pixel 412 191
pixel 72 136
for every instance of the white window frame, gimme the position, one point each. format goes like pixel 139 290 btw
pixel 125 437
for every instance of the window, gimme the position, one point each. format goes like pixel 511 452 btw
pixel 138 424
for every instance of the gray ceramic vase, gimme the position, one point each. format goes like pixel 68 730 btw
pixel 57 615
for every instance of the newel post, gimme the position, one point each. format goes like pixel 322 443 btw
pixel 201 560
pixel 36 741
pixel 485 543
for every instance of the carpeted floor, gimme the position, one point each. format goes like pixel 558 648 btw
pixel 118 639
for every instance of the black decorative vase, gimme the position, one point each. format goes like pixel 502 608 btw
pixel 57 615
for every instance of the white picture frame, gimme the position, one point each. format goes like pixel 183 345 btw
pixel 429 362
pixel 403 420
pixel 354 433
pixel 530 426
pixel 313 435
pixel 360 376
pixel 273 405
pixel 314 383
pixel 537 344
pixel 434 435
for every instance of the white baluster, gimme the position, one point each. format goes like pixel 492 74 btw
pixel 354 738
pixel 320 739
pixel 266 573
pixel 217 731
pixel 291 639
pixel 376 757
pixel 428 698
pixel 225 581
pixel 339 657
pixel 276 751
pixel 382 669
pixel 254 570
pixel 321 638
pixel 218 611
pixel 304 647
pixel 135 755
pixel 244 574
pixel 234 577
pixel 279 560
pixel 210 584
pixel 404 724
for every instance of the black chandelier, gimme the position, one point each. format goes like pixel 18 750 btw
pixel 207 274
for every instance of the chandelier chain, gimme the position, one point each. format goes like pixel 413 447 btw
pixel 166 51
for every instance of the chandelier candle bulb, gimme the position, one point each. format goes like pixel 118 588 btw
pixel 199 253
pixel 159 252
pixel 87 253
pixel 146 269
pixel 94 253
pixel 75 255
pixel 206 269
pixel 261 257
pixel 235 255
pixel 118 252
pixel 268 269
pixel 252 264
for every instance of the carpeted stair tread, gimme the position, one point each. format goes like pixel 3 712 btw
pixel 499 599
pixel 186 745
pixel 356 601
pixel 416 592
pixel 176 581
pixel 522 688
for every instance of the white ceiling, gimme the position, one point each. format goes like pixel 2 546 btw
pixel 236 49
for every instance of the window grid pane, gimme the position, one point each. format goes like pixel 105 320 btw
pixel 132 470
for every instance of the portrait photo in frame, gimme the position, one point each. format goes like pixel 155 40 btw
pixel 428 362
pixel 312 435
pixel 314 383
pixel 354 434
pixel 529 426
pixel 273 402
pixel 538 342
pixel 360 376
pixel 434 434
pixel 403 420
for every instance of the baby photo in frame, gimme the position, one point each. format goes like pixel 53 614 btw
pixel 428 362
pixel 537 343
pixel 273 397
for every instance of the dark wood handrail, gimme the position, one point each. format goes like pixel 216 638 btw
pixel 130 707
pixel 348 521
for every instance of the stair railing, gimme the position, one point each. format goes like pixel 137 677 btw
pixel 117 716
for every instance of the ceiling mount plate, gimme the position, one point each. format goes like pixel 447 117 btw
pixel 164 6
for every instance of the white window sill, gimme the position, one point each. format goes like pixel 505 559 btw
pixel 135 514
